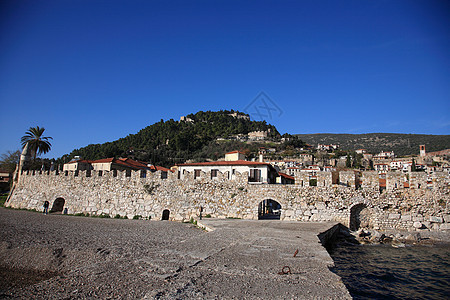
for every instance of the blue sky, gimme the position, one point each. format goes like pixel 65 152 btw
pixel 95 71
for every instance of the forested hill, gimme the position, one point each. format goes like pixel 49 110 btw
pixel 401 144
pixel 169 142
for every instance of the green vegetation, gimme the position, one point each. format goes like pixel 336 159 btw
pixel 102 215
pixel 170 142
pixel 401 144
pixel 9 160
pixel 313 182
pixel 120 217
pixel 81 215
pixel 137 217
pixel 150 188
pixel 208 216
pixel 3 198
pixel 38 144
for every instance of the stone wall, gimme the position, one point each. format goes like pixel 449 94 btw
pixel 422 206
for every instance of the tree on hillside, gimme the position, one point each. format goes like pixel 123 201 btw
pixel 38 144
pixel 9 160
pixel 348 162
pixel 413 166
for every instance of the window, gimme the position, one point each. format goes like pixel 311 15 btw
pixel 143 174
pixel 255 175
pixel 197 173
pixel 114 173
pixel 214 173
pixel 164 174
pixel 127 173
pixel 100 173
pixel 88 173
pixel 76 173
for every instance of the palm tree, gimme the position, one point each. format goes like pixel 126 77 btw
pixel 38 144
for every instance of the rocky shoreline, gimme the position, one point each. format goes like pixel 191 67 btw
pixel 395 238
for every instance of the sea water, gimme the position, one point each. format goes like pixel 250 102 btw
pixel 385 272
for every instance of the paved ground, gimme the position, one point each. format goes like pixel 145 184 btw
pixel 57 256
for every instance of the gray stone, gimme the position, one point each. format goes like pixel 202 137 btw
pixel 445 226
pixel 417 225
pixel 394 216
pixel 405 217
pixel 436 219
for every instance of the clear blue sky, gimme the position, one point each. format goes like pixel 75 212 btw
pixel 95 71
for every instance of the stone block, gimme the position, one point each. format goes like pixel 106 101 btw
pixel 417 225
pixel 447 218
pixel 435 226
pixel 435 219
pixel 445 226
pixel 418 218
pixel 320 205
pixel 405 217
pixel 288 213
pixel 394 216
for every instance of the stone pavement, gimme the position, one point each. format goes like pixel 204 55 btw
pixel 138 259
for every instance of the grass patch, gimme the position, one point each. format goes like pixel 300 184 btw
pixel 3 198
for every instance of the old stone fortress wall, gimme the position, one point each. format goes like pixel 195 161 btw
pixel 356 199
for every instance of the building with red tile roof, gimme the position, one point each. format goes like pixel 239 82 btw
pixel 110 164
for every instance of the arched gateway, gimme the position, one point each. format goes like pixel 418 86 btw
pixel 58 205
pixel 359 217
pixel 269 209
pixel 165 215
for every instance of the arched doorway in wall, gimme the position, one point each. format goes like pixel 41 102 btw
pixel 269 209
pixel 58 205
pixel 359 217
pixel 165 215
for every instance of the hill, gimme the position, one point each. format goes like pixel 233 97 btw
pixel 169 142
pixel 196 138
pixel 401 144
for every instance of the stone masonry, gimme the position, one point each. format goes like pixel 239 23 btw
pixel 424 205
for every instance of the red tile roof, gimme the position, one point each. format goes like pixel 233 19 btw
pixel 227 163
pixel 79 161
pixel 286 176
pixel 159 168
pixel 232 152
pixel 127 162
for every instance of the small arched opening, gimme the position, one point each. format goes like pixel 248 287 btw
pixel 359 217
pixel 269 209
pixel 165 215
pixel 58 205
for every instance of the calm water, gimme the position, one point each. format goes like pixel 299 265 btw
pixel 384 272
